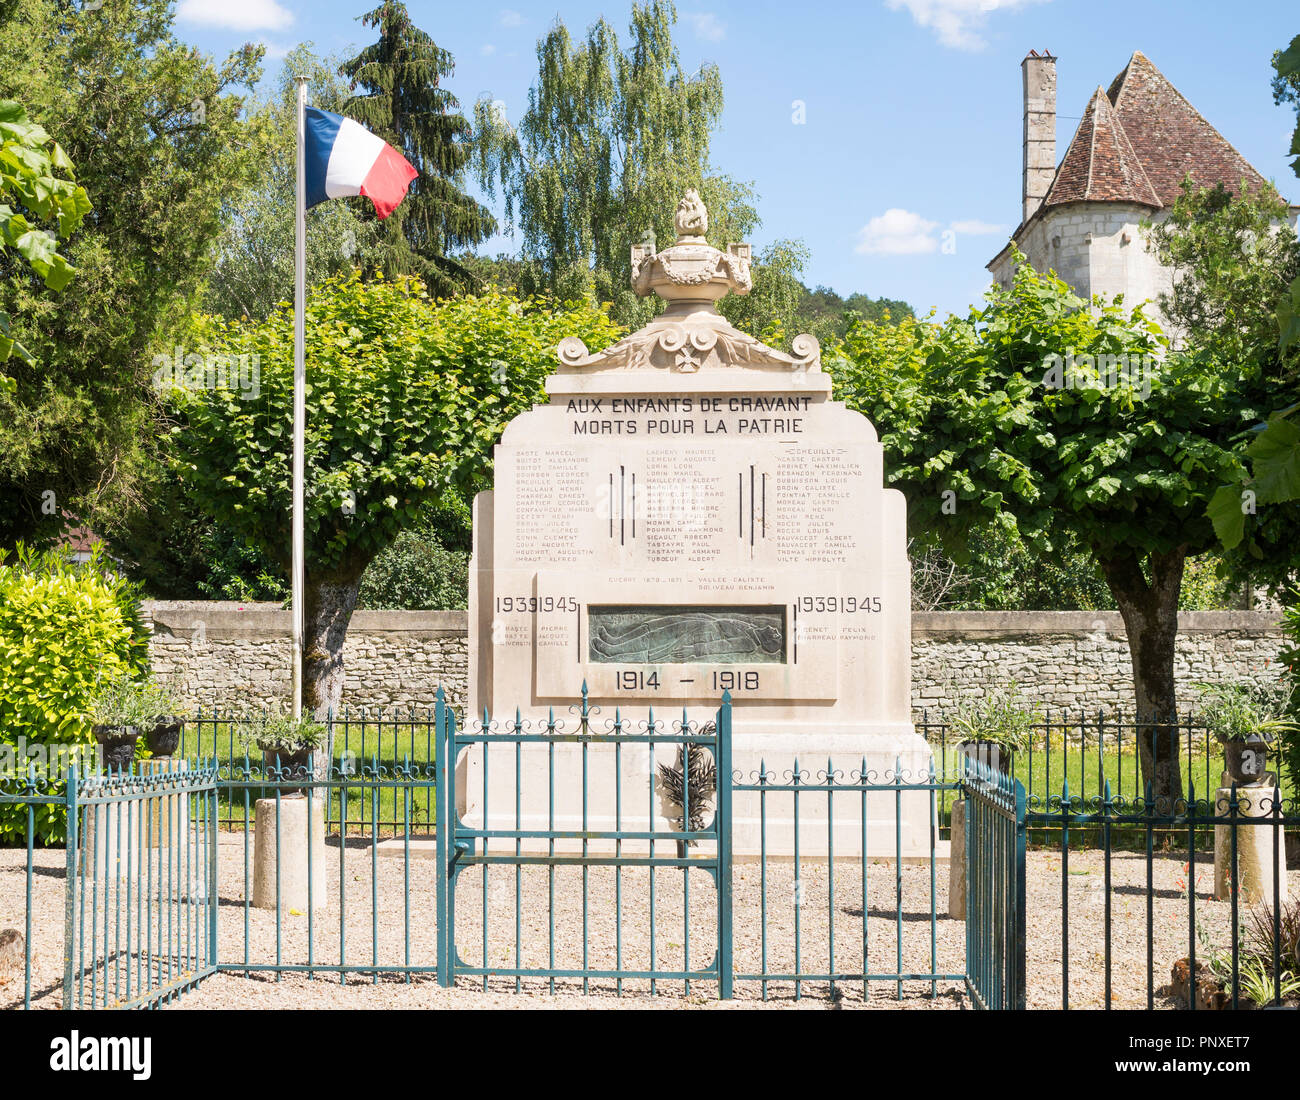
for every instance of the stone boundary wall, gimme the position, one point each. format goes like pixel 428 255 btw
pixel 227 652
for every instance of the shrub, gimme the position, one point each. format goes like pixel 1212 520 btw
pixel 1289 740
pixel 416 573
pixel 63 626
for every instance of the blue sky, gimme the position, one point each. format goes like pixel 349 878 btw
pixel 911 108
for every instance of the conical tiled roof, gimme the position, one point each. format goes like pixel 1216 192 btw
pixel 1101 165
pixel 1170 137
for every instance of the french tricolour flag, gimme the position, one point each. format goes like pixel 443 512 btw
pixel 344 158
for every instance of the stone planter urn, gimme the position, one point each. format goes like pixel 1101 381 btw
pixel 992 754
pixel 164 736
pixel 118 743
pixel 1246 760
pixel 285 764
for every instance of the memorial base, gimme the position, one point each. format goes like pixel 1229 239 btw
pixel 623 791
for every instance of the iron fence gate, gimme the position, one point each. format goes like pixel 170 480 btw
pixel 141 895
pixel 623 839
pixel 543 868
pixel 995 887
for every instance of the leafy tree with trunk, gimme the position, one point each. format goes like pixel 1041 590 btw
pixel 400 99
pixel 1001 417
pixel 611 140
pixel 405 399
pixel 159 142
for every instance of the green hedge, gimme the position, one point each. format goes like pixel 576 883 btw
pixel 61 625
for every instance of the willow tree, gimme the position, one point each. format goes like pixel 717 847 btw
pixel 610 141
pixel 401 100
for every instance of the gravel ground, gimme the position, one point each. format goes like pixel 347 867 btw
pixel 380 932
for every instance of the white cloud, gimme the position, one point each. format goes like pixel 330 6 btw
pixel 897 232
pixel 976 228
pixel 274 52
pixel 510 18
pixel 958 23
pixel 235 15
pixel 487 49
pixel 707 26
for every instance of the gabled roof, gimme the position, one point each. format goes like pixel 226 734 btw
pixel 1101 165
pixel 1170 136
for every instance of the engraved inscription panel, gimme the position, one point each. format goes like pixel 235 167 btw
pixel 686 634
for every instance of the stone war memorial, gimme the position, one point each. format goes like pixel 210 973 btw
pixel 690 514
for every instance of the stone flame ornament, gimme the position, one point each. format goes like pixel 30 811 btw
pixel 691 335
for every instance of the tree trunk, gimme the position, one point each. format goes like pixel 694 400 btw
pixel 327 610
pixel 1150 613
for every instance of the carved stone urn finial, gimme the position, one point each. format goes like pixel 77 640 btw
pixel 692 218
pixel 691 270
pixel 691 335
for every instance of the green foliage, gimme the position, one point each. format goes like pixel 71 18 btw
pixel 252 271
pixel 1000 715
pixel 402 102
pixel 406 398
pixel 963 407
pixel 611 140
pixel 30 188
pixel 1289 657
pixel 159 144
pixel 1237 711
pixel 1233 256
pixel 63 627
pixel 416 573
pixel 281 733
pixel 121 698
pixel 1286 89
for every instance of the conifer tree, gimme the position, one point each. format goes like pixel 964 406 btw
pixel 397 95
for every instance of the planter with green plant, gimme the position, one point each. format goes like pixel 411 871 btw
pixel 287 745
pixel 1246 719
pixel 992 727
pixel 117 716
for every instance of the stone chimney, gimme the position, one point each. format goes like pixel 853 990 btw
pixel 1039 71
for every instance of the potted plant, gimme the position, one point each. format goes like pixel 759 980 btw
pixel 993 726
pixel 117 716
pixel 1245 718
pixel 166 716
pixel 287 745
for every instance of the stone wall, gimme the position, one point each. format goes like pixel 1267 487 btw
pixel 1079 659
pixel 222 652
pixel 233 652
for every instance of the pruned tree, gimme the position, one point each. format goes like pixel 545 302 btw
pixel 406 398
pixel 1065 416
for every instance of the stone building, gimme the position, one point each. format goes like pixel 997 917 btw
pixel 1125 164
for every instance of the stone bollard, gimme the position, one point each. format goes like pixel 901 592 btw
pixel 1256 869
pixel 168 817
pixel 957 862
pixel 293 859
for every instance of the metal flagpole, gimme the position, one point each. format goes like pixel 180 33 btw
pixel 298 574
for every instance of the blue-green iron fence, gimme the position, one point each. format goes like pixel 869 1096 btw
pixel 140 925
pixel 995 887
pixel 808 802
pixel 516 759
pixel 1249 959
